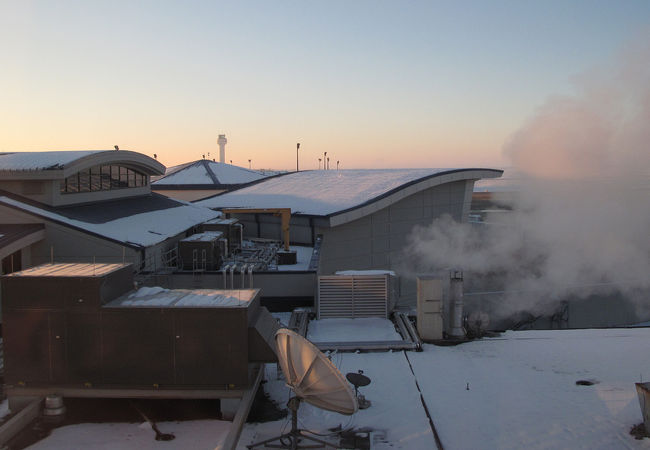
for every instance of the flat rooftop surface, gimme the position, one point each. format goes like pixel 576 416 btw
pixel 156 297
pixel 303 258
pixel 195 434
pixel 522 394
pixel 352 330
pixel 69 270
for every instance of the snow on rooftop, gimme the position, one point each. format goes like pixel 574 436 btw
pixel 206 236
pixel 154 297
pixel 319 192
pixel 69 270
pixel 193 434
pixel 192 174
pixel 198 173
pixel 143 229
pixel 303 258
pixel 25 161
pixel 362 329
pixel 365 272
pixel 222 221
pixel 522 393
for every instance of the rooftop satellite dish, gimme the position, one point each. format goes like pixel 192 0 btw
pixel 314 379
pixel 359 379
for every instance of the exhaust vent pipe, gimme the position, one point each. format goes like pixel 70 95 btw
pixel 456 304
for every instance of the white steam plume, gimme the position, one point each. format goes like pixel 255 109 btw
pixel 581 214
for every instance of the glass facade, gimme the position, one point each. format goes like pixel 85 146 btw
pixel 103 178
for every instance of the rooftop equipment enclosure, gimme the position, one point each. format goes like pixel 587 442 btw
pixel 202 251
pixel 357 294
pixel 231 229
pixel 80 326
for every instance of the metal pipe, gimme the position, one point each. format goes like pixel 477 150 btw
pixel 250 276
pixel 242 272
pixel 224 270
pixel 232 276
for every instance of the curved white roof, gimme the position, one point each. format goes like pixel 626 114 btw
pixel 20 161
pixel 334 192
pixel 60 164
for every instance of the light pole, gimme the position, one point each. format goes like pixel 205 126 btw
pixel 324 160
pixel 297 148
pixel 337 164
pixel 319 160
pixel 249 163
pixel 328 163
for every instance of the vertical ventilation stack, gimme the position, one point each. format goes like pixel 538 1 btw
pixel 456 304
pixel 222 141
pixel 430 309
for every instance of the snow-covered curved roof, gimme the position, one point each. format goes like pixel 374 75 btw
pixel 61 164
pixel 40 160
pixel 335 192
pixel 207 174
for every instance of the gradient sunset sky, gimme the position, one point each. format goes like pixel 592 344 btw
pixel 374 83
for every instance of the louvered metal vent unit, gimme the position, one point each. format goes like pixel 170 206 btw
pixel 354 296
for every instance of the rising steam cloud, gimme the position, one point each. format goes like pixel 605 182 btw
pixel 581 214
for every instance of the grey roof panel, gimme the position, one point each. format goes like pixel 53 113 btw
pixel 115 209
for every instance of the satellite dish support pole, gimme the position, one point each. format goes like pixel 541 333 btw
pixel 295 435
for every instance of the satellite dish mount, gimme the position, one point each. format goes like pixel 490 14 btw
pixel 295 435
pixel 314 379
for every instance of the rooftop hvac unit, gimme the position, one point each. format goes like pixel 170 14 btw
pixel 231 229
pixel 354 294
pixel 202 251
pixel 72 327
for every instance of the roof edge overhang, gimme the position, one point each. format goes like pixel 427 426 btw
pixel 194 187
pixel 134 160
pixel 46 218
pixel 408 189
pixel 26 239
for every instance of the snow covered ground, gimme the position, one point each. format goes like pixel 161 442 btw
pixel 396 408
pixel 522 394
pixel 197 434
pixel 522 391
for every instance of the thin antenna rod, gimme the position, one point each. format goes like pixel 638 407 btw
pixel 297 148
